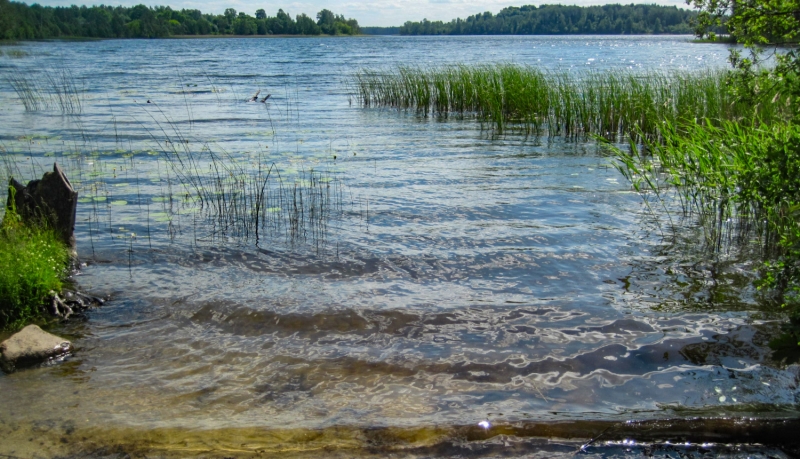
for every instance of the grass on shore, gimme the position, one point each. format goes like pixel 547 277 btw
pixel 535 101
pixel 33 262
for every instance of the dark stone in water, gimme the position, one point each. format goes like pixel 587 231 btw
pixel 31 346
pixel 52 200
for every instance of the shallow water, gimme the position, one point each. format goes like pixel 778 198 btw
pixel 445 276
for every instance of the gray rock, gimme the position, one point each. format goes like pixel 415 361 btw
pixel 30 346
pixel 51 199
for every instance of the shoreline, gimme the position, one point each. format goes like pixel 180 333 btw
pixel 257 36
pixel 196 37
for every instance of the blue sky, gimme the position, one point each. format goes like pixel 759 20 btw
pixel 367 12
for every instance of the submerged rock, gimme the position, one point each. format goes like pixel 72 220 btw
pixel 30 346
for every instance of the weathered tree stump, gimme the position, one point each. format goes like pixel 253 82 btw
pixel 51 201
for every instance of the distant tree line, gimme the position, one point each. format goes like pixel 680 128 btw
pixel 20 21
pixel 561 20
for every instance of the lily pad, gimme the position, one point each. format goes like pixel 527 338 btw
pixel 160 216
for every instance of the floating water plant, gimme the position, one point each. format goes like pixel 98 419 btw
pixel 16 53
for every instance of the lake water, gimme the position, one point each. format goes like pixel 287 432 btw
pixel 411 279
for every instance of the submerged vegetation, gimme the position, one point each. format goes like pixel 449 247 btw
pixel 740 181
pixel 537 101
pixel 33 263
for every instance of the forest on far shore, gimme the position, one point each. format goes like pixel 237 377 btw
pixel 562 20
pixel 18 21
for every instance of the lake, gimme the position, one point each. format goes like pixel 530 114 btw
pixel 409 285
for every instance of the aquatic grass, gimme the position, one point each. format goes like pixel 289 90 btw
pixel 64 91
pixel 526 98
pixel 33 263
pixel 27 91
pixel 188 185
pixel 50 89
pixel 740 182
pixel 16 53
pixel 244 198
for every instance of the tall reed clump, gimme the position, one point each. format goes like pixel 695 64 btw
pixel 608 103
pixel 47 90
pixel 33 263
pixel 740 181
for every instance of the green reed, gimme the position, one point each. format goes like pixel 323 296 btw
pixel 46 90
pixel 609 103
pixel 247 198
pixel 739 181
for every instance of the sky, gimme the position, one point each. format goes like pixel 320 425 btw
pixel 382 13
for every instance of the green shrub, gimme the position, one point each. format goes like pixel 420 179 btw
pixel 33 262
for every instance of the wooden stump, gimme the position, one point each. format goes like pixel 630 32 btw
pixel 50 200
